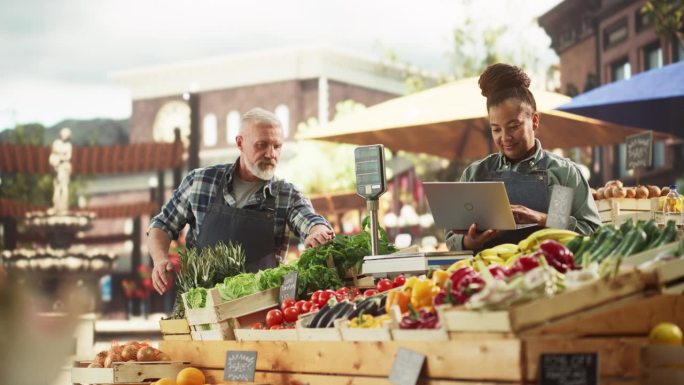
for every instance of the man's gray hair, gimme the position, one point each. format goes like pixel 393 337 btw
pixel 259 115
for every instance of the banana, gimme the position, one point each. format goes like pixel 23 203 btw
pixel 492 259
pixel 457 265
pixel 533 241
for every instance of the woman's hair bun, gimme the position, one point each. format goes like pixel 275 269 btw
pixel 500 76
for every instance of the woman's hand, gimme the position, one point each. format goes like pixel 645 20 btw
pixel 522 215
pixel 475 240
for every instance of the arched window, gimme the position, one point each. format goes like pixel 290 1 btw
pixel 233 126
pixel 283 114
pixel 209 130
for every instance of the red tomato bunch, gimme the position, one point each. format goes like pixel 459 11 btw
pixel 287 315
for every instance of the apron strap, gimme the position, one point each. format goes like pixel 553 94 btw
pixel 218 198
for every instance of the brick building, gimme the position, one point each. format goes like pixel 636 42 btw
pixel 295 83
pixel 602 41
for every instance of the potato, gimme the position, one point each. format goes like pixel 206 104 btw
pixel 653 191
pixel 129 352
pixel 631 192
pixel 614 183
pixel 147 353
pixel 112 357
pixel 641 192
pixel 619 192
pixel 100 358
pixel 665 191
pixel 600 193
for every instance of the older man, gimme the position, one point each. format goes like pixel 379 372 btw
pixel 241 202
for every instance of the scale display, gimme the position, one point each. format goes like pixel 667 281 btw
pixel 370 171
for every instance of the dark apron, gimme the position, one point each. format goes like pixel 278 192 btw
pixel 529 190
pixel 254 230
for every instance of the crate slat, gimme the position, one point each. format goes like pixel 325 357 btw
pixel 126 372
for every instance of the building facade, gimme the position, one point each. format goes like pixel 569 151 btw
pixel 296 84
pixel 602 41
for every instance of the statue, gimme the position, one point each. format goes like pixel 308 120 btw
pixel 60 160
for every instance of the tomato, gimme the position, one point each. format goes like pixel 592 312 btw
pixel 370 292
pixel 274 317
pixel 356 292
pixel 287 303
pixel 399 280
pixel 257 326
pixel 383 285
pixel 306 307
pixel 274 327
pixel 343 291
pixel 340 297
pixel 314 307
pixel 300 306
pixel 291 314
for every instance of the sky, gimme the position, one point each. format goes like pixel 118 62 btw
pixel 56 55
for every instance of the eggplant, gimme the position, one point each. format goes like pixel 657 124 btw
pixel 329 315
pixel 317 318
pixel 342 313
pixel 362 306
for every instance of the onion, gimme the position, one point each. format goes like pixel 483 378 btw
pixel 112 357
pixel 641 192
pixel 653 191
pixel 600 193
pixel 129 352
pixel 614 183
pixel 619 192
pixel 163 357
pixel 147 353
pixel 100 358
pixel 631 192
pixel 608 192
pixel 665 191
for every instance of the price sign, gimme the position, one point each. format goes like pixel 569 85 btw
pixel 288 289
pixel 568 369
pixel 639 150
pixel 240 366
pixel 560 206
pixel 370 171
pixel 406 367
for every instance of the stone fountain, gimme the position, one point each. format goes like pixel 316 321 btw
pixel 60 263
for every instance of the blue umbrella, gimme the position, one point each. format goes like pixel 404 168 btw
pixel 652 100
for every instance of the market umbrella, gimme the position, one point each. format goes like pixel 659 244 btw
pixel 450 121
pixel 652 100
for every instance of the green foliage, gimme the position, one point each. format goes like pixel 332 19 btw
pixel 209 266
pixel 197 298
pixel 667 17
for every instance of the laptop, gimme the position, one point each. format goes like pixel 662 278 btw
pixel 457 205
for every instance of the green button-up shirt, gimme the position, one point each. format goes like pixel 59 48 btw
pixel 584 217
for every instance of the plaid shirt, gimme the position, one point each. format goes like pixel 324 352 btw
pixel 191 200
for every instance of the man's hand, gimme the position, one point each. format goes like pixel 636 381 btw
pixel 319 235
pixel 473 239
pixel 522 214
pixel 160 280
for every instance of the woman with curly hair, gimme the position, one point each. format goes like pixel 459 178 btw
pixel 527 170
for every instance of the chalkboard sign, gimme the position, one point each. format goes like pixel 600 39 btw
pixel 568 369
pixel 240 366
pixel 560 206
pixel 406 367
pixel 640 150
pixel 288 289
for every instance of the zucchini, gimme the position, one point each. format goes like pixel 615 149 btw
pixel 651 230
pixel 639 243
pixel 586 243
pixel 668 234
pixel 575 243
pixel 608 246
pixel 625 227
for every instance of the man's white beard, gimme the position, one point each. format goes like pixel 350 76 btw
pixel 266 174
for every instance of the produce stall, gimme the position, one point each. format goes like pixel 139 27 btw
pixel 557 306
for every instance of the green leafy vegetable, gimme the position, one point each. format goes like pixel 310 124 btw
pixel 238 286
pixel 197 298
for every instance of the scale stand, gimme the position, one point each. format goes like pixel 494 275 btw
pixel 371 183
pixel 372 206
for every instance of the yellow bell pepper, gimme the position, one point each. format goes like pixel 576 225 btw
pixel 397 297
pixel 439 277
pixel 421 295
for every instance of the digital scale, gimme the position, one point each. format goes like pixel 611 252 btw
pixel 371 183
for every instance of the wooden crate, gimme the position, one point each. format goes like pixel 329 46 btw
pixel 126 372
pixel 305 333
pixel 218 318
pixel 619 210
pixel 662 364
pixel 468 361
pixel 175 329
pixel 265 335
pixel 546 310
pixel 359 334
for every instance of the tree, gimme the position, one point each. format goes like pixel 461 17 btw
pixel 667 17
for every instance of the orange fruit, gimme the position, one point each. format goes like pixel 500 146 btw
pixel 190 376
pixel 665 333
pixel 166 381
